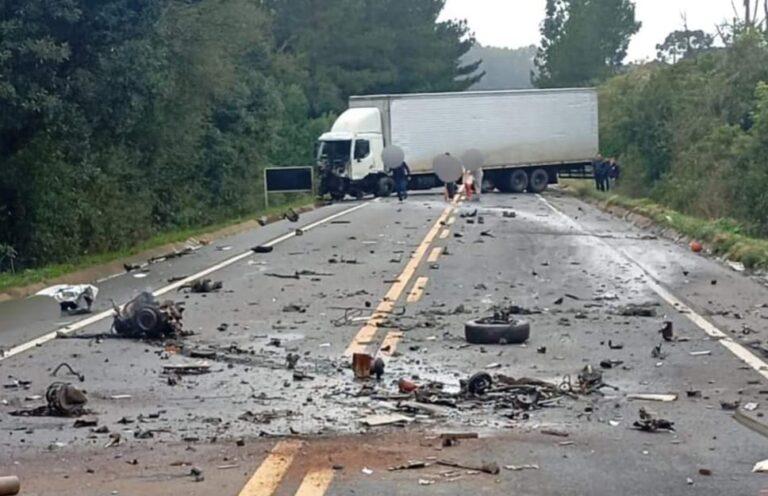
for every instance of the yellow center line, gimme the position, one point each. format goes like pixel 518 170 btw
pixel 436 252
pixel 367 333
pixel 270 473
pixel 417 291
pixel 316 483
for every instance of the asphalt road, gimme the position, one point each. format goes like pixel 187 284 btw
pixel 255 430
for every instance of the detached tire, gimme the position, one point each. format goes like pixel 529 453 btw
pixel 538 181
pixel 477 332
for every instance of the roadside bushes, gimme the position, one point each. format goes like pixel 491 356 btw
pixel 694 135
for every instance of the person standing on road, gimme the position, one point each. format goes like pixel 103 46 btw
pixel 477 179
pixel 469 184
pixel 400 176
pixel 614 172
pixel 450 191
pixel 597 168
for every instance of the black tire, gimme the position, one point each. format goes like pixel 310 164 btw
pixel 358 194
pixel 384 187
pixel 517 181
pixel 147 319
pixel 337 195
pixel 538 181
pixel 477 332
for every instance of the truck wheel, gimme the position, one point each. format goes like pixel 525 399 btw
pixel 337 195
pixel 385 187
pixel 517 181
pixel 358 194
pixel 483 332
pixel 539 181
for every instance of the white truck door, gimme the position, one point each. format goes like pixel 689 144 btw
pixel 366 156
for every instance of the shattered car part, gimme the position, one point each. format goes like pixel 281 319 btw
pixel 65 400
pixel 145 317
pixel 203 286
pixel 479 383
pixel 649 423
pixel 72 299
pixel 9 485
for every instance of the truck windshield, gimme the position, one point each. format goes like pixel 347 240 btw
pixel 334 153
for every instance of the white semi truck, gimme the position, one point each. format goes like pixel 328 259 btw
pixel 529 138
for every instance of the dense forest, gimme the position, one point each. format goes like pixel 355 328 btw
pixel 125 118
pixel 504 68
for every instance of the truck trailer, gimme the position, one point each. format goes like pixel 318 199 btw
pixel 529 138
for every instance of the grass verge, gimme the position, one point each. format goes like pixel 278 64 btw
pixel 33 276
pixel 723 237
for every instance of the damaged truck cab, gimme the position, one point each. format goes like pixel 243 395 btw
pixel 349 156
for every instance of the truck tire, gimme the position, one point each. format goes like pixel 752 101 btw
pixel 337 195
pixel 517 181
pixel 384 187
pixel 538 181
pixel 483 332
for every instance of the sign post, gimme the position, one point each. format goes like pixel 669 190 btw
pixel 288 180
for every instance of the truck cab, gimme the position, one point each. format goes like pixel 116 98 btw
pixel 349 156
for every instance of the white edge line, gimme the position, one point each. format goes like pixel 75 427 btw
pixel 710 329
pixel 69 329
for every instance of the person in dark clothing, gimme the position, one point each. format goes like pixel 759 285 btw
pixel 615 171
pixel 400 176
pixel 597 169
pixel 606 176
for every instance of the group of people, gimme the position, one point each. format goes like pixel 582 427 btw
pixel 472 181
pixel 607 172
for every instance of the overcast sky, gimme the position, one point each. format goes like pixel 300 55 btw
pixel 515 23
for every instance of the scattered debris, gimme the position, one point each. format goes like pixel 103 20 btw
pixel 648 423
pixel 203 286
pixel 667 331
pixel 72 371
pixel 63 400
pixel 291 215
pixel 700 353
pixel 263 249
pixel 385 419
pixel 145 317
pixel 488 468
pixel 187 369
pixel 760 467
pixel 750 407
pixel 517 468
pixel 410 465
pixel 664 398
pixel 638 310
pixel 73 299
pixel 730 405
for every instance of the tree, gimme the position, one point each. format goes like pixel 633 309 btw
pixel 683 44
pixel 583 41
pixel 347 47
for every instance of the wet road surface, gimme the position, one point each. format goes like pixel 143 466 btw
pixel 253 429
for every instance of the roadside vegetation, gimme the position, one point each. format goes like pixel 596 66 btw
pixel 124 121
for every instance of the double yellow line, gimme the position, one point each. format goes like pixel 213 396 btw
pixel 365 338
pixel 272 470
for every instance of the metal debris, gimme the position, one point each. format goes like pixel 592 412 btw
pixel 72 371
pixel 649 423
pixel 73 299
pixel 63 400
pixel 145 317
pixel 203 286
